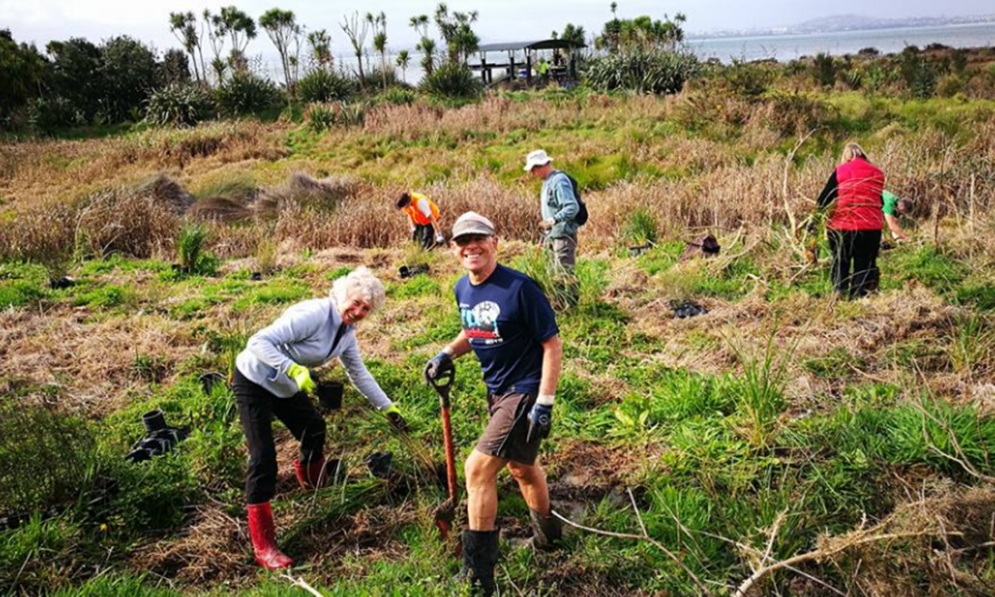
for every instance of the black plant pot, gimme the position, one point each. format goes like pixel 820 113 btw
pixel 380 464
pixel 330 395
pixel 154 421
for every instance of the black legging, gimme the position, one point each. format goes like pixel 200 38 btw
pixel 861 247
pixel 256 409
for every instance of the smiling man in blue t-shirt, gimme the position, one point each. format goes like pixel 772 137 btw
pixel 510 326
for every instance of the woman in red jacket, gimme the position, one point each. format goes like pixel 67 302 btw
pixel 853 196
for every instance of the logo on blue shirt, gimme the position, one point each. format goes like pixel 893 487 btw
pixel 480 322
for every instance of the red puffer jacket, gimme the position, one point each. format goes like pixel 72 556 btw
pixel 858 201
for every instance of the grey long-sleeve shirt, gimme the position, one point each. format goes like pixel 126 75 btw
pixel 303 334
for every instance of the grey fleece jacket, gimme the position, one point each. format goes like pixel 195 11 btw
pixel 303 334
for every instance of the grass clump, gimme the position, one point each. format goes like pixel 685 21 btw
pixel 641 228
pixel 761 389
pixel 191 253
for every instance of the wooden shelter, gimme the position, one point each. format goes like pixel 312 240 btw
pixel 522 56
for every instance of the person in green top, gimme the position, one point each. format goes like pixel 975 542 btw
pixel 893 208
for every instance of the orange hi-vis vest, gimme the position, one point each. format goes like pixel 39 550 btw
pixel 416 215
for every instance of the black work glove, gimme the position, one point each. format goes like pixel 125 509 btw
pixel 540 421
pixel 438 366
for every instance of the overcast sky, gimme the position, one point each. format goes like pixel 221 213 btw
pixel 40 21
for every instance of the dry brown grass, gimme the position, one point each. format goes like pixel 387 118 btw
pixel 714 187
pixel 933 547
pixel 37 171
pixel 89 363
pixel 219 209
pixel 304 191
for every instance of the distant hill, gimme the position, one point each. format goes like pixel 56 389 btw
pixel 863 23
pixel 851 22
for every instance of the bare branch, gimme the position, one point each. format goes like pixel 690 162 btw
pixel 302 584
pixel 647 538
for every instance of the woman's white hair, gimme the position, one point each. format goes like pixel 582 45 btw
pixel 359 280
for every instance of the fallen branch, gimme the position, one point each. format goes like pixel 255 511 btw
pixel 643 537
pixel 820 554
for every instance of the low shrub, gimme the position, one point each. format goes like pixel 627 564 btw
pixel 396 96
pixel 44 457
pixel 749 79
pixel 321 117
pixel 48 114
pixel 179 104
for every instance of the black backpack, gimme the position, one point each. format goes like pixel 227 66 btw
pixel 581 217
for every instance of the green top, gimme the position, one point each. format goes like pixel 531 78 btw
pixel 890 201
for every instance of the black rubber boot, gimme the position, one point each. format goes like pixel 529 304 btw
pixel 480 555
pixel 546 531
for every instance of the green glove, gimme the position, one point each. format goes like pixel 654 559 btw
pixel 303 378
pixel 395 419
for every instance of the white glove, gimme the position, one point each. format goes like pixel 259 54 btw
pixel 439 238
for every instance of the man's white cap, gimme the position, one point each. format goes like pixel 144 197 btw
pixel 472 223
pixel 536 158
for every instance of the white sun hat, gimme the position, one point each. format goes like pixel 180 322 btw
pixel 536 158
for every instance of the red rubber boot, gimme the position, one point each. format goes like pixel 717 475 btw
pixel 320 473
pixel 263 534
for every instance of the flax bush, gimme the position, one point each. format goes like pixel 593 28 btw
pixel 643 71
pixel 179 104
pixel 323 86
pixel 453 80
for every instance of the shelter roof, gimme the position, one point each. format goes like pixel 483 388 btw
pixel 540 44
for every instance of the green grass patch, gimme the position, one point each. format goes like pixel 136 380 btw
pixel 278 291
pixel 415 287
pixel 119 263
pixel 105 297
pixel 928 266
pixel 22 284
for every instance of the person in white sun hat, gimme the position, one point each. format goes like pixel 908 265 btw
pixel 560 208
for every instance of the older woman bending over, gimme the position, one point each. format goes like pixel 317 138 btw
pixel 272 380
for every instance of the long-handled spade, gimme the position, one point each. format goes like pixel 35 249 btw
pixel 446 512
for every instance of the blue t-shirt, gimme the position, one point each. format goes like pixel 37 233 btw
pixel 506 319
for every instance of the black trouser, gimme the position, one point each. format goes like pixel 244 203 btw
pixel 424 235
pixel 256 408
pixel 860 247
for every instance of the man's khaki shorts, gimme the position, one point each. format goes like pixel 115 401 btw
pixel 506 432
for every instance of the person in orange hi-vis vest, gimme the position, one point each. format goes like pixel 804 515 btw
pixel 423 217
